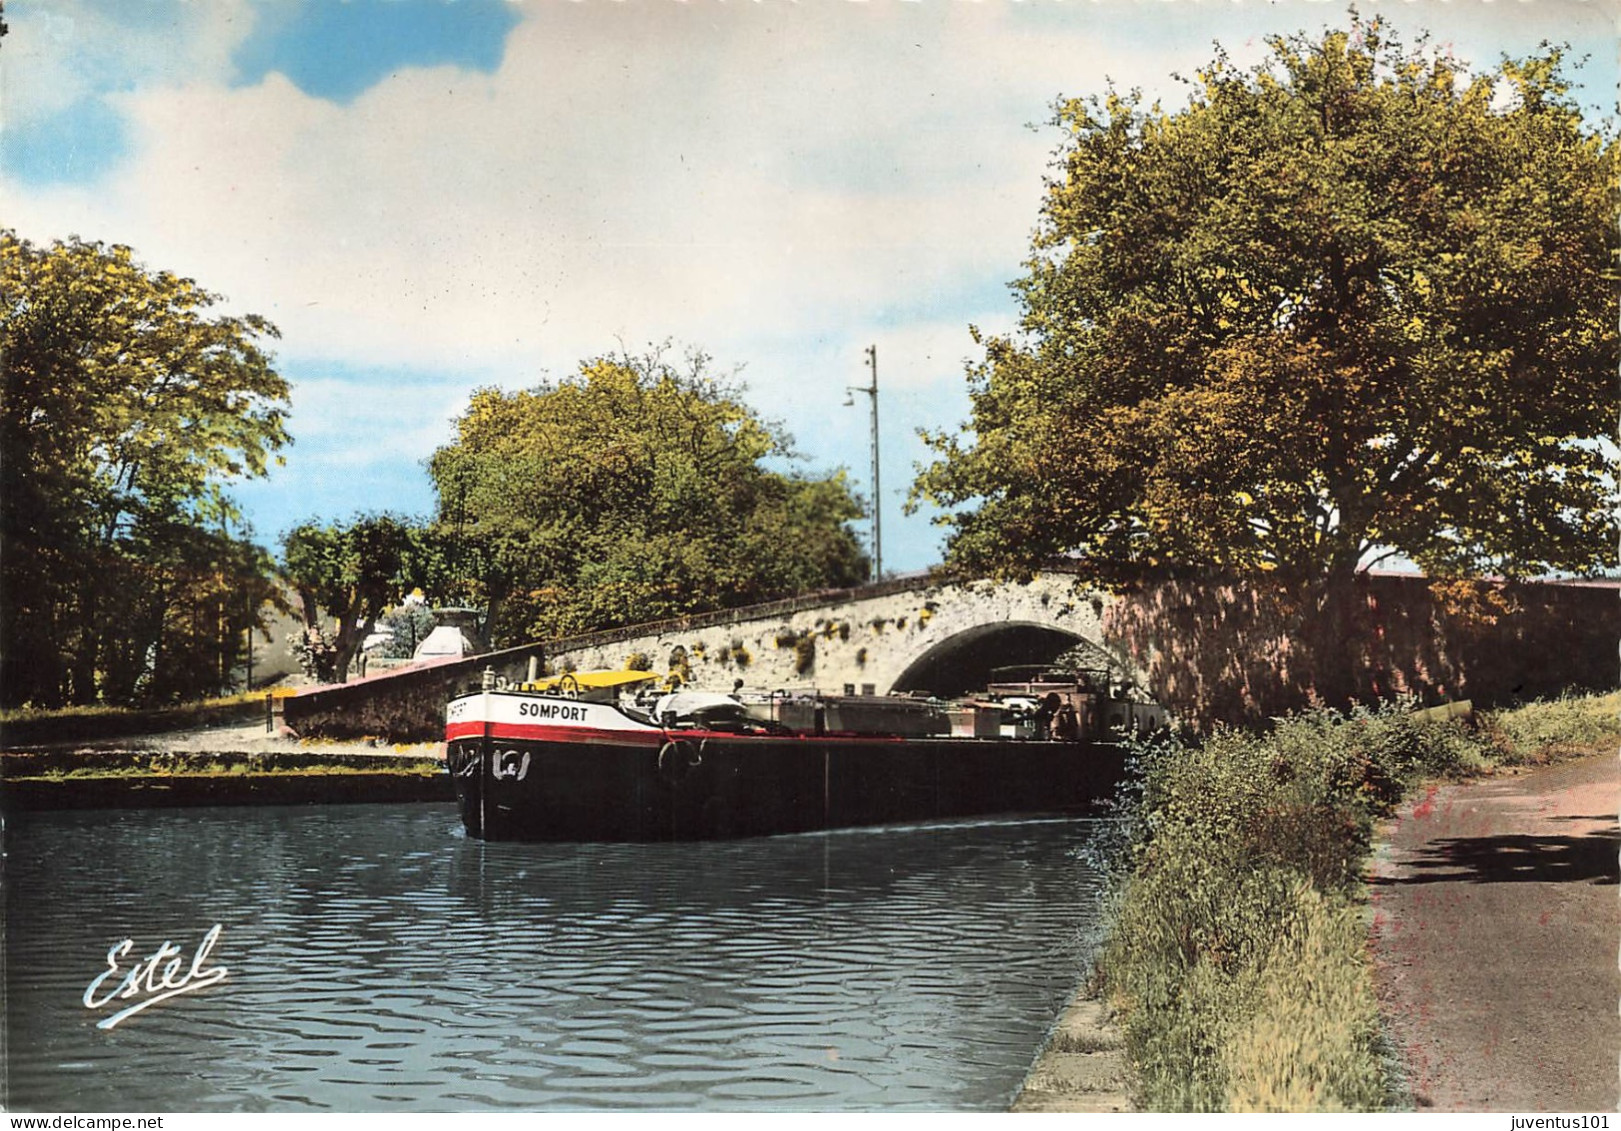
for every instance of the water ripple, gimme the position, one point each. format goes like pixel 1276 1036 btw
pixel 910 968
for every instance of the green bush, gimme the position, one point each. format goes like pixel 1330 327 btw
pixel 1236 945
pixel 1550 729
pixel 1312 1039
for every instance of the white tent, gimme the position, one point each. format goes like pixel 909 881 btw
pixel 446 640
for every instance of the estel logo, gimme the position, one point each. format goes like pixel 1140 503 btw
pixel 161 975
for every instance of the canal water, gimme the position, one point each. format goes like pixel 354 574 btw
pixel 377 959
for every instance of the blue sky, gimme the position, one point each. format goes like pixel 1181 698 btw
pixel 427 196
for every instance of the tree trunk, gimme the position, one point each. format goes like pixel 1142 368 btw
pixel 352 634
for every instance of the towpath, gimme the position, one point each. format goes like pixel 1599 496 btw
pixel 1496 928
pixel 247 738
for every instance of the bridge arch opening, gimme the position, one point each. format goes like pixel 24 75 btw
pixel 964 662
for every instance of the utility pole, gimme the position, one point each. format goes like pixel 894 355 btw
pixel 877 521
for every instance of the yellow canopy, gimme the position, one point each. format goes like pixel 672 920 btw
pixel 590 679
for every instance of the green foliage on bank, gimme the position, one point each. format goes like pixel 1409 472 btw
pixel 1358 297
pixel 200 711
pixel 204 766
pixel 640 488
pixel 352 572
pixel 1237 953
pixel 128 406
pixel 1550 729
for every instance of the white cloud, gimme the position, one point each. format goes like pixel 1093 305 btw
pixel 643 178
pixel 780 184
pixel 60 51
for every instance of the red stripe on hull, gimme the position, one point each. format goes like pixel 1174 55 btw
pixel 597 736
pixel 540 732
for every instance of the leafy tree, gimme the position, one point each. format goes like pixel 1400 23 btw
pixel 176 624
pixel 125 407
pixel 348 572
pixel 633 491
pixel 1355 302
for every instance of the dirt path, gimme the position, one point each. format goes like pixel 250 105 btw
pixel 1496 928
pixel 244 738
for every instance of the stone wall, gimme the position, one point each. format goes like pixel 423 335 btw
pixel 1240 652
pixel 400 706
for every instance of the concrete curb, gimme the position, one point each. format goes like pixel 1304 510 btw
pixel 1083 1067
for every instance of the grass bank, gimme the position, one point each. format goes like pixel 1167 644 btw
pixel 120 778
pixel 22 726
pixel 1237 955
pixel 181 765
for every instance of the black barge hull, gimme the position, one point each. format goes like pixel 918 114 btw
pixel 693 787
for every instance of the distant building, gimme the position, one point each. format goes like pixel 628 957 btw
pixel 456 635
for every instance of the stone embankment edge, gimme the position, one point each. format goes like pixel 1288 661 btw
pixel 1083 1065
pixel 192 769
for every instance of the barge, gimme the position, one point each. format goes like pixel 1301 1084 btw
pixel 575 759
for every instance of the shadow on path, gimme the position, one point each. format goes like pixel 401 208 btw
pixel 1515 858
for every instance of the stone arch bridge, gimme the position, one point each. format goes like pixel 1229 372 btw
pixel 1207 650
pixel 913 633
pixel 910 633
